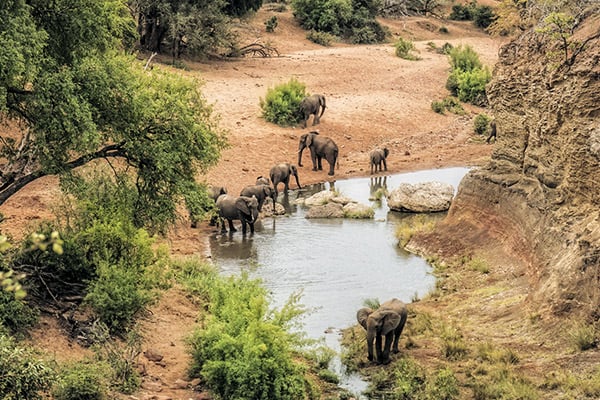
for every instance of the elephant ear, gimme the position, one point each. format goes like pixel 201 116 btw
pixel 242 204
pixel 390 321
pixel 362 315
pixel 309 139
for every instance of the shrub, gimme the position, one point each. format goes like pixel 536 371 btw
pixel 322 38
pixel 271 24
pixel 582 336
pixel 443 386
pixel 461 12
pixel 483 16
pixel 404 49
pixel 464 59
pixel 84 380
pixel 244 351
pixel 15 315
pixel 119 294
pixel 471 86
pixel 450 103
pixel 281 104
pixel 481 123
pixel 24 375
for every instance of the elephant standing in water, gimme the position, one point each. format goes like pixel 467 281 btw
pixel 261 192
pixel 281 173
pixel 378 157
pixel 314 105
pixel 240 208
pixel 388 320
pixel 320 147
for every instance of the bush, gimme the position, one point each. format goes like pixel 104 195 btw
pixel 271 24
pixel 243 350
pixel 119 294
pixel 468 78
pixel 15 315
pixel 24 375
pixel 443 386
pixel 483 16
pixel 84 380
pixel 462 12
pixel 481 123
pixel 351 20
pixel 404 48
pixel 322 38
pixel 281 104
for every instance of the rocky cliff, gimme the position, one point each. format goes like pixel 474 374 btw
pixel 537 202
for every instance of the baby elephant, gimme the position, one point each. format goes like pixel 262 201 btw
pixel 378 157
pixel 388 320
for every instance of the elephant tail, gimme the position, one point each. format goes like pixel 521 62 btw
pixel 323 106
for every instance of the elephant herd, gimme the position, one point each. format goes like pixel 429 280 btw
pixel 247 206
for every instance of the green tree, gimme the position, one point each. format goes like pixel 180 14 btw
pixel 75 95
pixel 194 26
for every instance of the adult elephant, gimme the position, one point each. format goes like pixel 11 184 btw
pixel 261 192
pixel 320 147
pixel 240 208
pixel 312 105
pixel 281 173
pixel 378 159
pixel 388 320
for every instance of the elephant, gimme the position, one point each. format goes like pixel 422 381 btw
pixel 261 192
pixel 388 320
pixel 312 105
pixel 262 180
pixel 378 157
pixel 320 147
pixel 281 173
pixel 241 208
pixel 492 131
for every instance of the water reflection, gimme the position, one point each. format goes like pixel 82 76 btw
pixel 337 263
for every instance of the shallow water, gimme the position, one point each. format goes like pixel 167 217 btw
pixel 336 263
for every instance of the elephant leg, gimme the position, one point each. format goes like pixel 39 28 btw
pixel 313 157
pixel 378 349
pixel 331 166
pixel 243 226
pixel 397 333
pixel 231 227
pixel 319 163
pixel 222 222
pixel 317 120
pixel 251 227
pixel 384 164
pixel 388 344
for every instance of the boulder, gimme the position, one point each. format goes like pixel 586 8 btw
pixel 421 197
pixel 319 198
pixel 329 210
pixel 358 211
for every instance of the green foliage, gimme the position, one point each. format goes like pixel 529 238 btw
pixel 450 103
pixel 25 375
pixel 16 315
pixel 245 351
pixel 482 16
pixel 453 346
pixel 443 385
pixel 410 226
pixel 281 104
pixel 271 24
pixel 322 38
pixel 66 77
pixel 582 336
pixel 481 123
pixel 404 48
pixel 83 380
pixel 119 294
pixel 122 357
pixel 468 78
pixel 352 20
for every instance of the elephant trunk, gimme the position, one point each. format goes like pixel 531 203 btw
pixel 297 181
pixel 300 150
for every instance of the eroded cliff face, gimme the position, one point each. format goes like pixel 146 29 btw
pixel 538 200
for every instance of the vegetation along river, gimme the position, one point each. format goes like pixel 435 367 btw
pixel 336 263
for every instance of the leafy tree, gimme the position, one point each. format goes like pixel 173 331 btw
pixel 76 97
pixel 195 26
